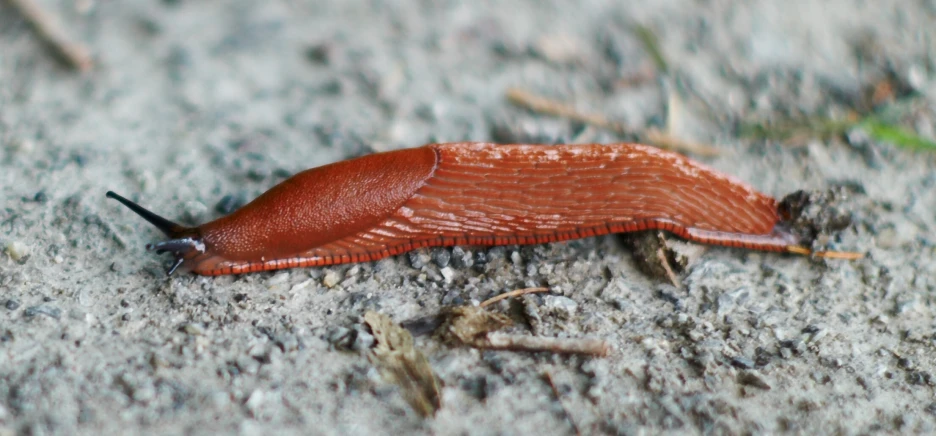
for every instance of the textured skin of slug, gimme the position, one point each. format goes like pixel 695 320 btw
pixel 485 194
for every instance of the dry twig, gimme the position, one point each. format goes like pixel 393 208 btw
pixel 76 55
pixel 538 103
pixel 511 294
pixel 501 341
pixel 475 327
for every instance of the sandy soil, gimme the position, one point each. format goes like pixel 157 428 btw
pixel 194 101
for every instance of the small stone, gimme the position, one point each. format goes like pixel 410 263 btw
pixel 144 393
pixel 50 311
pixel 565 307
pixel 319 54
pixel 481 258
pixel 750 378
pixel 278 279
pixel 17 250
pixel 916 77
pixel 441 257
pixel 448 274
pixel 22 146
pixel 418 258
pixel 229 203
pixel 12 304
pixel 516 258
pixel 331 279
pixel 255 401
pixel 194 211
pixel 461 259
pixel 156 361
pixel 248 365
pixel 194 329
pixel 742 362
pixel 287 343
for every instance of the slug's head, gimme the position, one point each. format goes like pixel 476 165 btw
pixel 185 244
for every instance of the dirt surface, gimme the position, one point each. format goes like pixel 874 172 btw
pixel 191 102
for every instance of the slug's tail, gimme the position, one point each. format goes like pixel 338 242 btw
pixel 845 255
pixel 185 244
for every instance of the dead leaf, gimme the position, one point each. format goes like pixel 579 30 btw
pixel 400 363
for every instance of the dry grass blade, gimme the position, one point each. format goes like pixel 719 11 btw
pixel 76 55
pixel 665 140
pixel 402 364
pixel 665 263
pixel 540 104
pixel 549 381
pixel 651 45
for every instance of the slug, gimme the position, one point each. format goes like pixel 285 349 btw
pixel 385 204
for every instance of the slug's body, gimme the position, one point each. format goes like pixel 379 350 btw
pixel 389 203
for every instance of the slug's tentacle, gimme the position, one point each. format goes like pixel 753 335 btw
pixel 186 246
pixel 169 228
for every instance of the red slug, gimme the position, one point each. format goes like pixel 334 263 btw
pixel 389 203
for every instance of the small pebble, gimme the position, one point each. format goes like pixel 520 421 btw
pixel 17 250
pixel 229 203
pixel 461 259
pixel 287 343
pixel 194 211
pixel 418 258
pixel 50 311
pixel 319 54
pixel 742 362
pixel 516 258
pixel 12 304
pixel 194 329
pixel 441 257
pixel 564 306
pixel 749 378
pixel 255 401
pixel 331 279
pixel 448 274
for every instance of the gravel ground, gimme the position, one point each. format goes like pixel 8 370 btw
pixel 194 107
